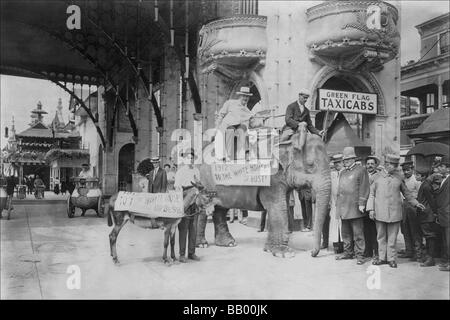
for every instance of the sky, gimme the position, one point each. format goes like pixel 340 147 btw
pixel 18 96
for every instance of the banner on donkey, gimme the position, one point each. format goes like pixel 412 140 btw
pixel 152 205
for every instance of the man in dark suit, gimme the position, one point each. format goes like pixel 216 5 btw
pixel 443 209
pixel 296 113
pixel 157 178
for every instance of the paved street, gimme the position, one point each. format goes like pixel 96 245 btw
pixel 40 242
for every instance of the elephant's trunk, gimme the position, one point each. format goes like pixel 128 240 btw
pixel 322 190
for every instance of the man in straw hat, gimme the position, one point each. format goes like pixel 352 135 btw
pixel 385 207
pixel 232 116
pixel 353 191
pixel 443 209
pixel 370 229
pixel 187 227
pixel 297 113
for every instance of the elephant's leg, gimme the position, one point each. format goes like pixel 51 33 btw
pixel 274 200
pixel 201 226
pixel 223 236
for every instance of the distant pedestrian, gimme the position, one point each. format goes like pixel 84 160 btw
pixel 353 192
pixel 385 207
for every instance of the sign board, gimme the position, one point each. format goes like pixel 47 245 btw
pixel 347 101
pixel 248 174
pixel 152 205
pixel 412 122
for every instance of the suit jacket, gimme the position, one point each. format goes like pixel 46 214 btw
pixel 442 202
pixel 159 184
pixel 426 197
pixel 353 191
pixel 386 197
pixel 294 116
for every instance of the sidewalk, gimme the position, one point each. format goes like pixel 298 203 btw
pixel 49 196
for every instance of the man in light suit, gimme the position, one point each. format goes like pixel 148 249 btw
pixel 157 178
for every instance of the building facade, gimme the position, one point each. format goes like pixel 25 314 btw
pixel 425 86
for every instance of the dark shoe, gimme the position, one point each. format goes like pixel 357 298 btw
pixel 429 262
pixel 183 259
pixel 193 257
pixel 360 261
pixel 444 268
pixel 378 262
pixel 344 257
pixel 392 264
pixel 405 255
pixel 261 230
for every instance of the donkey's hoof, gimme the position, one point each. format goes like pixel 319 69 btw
pixel 314 252
pixel 116 261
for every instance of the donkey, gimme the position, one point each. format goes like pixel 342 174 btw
pixel 192 195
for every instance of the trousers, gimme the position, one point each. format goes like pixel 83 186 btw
pixel 410 228
pixel 306 212
pixel 370 237
pixel 353 237
pixel 387 233
pixel 188 230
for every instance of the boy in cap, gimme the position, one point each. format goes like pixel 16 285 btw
pixel 410 225
pixel 385 207
pixel 297 113
pixel 353 192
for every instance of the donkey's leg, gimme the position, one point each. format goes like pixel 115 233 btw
pixel 166 244
pixel 119 222
pixel 172 241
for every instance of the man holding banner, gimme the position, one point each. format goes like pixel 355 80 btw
pixel 188 225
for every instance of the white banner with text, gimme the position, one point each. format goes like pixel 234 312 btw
pixel 347 101
pixel 230 174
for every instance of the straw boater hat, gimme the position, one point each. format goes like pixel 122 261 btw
pixel 377 160
pixel 244 91
pixel 337 158
pixel 392 158
pixel 349 153
pixel 304 92
pixel 85 165
pixel 189 151
pixel 407 164
pixel 154 160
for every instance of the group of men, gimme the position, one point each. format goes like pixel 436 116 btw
pixel 158 182
pixel 375 202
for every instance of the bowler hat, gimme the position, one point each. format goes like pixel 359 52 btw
pixel 244 91
pixel 349 153
pixel 392 158
pixel 375 158
pixel 337 157
pixel 304 92
pixel 154 159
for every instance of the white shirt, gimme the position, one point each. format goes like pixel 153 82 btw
pixel 155 171
pixel 443 180
pixel 413 185
pixel 234 113
pixel 185 175
pixel 143 184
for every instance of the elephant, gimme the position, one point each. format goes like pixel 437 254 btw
pixel 302 161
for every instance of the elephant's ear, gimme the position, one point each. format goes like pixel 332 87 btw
pixel 284 156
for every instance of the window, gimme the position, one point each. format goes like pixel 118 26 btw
pixel 248 7
pixel 444 42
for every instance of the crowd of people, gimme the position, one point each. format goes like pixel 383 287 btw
pixel 372 204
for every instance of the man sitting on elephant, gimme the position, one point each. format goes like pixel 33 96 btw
pixel 296 113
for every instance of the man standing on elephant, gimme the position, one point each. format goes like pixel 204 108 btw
pixel 410 226
pixel 353 192
pixel 187 227
pixel 370 229
pixel 385 207
pixel 296 113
